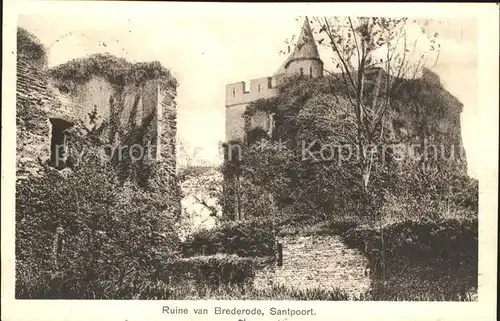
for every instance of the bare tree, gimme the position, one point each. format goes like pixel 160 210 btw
pixel 372 58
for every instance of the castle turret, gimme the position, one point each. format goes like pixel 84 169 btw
pixel 305 59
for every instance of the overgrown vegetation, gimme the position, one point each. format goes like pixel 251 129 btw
pixel 247 238
pixel 84 233
pixel 211 271
pixel 421 260
pixel 30 48
pixel 80 233
pixel 117 71
pixel 415 218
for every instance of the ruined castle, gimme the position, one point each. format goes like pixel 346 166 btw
pixel 95 101
pixel 304 60
pixel 435 105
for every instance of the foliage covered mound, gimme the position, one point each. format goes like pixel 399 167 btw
pixel 303 164
pixel 247 238
pixel 79 234
pixel 420 260
pixel 416 220
pixel 30 49
pixel 117 71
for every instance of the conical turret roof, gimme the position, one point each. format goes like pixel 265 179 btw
pixel 305 49
pixel 306 45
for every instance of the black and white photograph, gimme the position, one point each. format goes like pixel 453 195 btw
pixel 242 155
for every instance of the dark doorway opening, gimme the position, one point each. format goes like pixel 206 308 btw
pixel 58 143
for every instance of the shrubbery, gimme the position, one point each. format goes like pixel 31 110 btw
pixel 209 271
pixel 117 71
pixel 419 241
pixel 420 260
pixel 78 233
pixel 247 238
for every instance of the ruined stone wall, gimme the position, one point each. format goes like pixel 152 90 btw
pixel 145 110
pixel 167 129
pixel 36 102
pixel 236 125
pixel 123 107
pixel 323 262
pixel 307 67
pixel 101 112
pixel 92 95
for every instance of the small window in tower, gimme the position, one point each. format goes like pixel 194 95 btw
pixel 301 71
pixel 258 87
pixel 234 92
pixel 310 71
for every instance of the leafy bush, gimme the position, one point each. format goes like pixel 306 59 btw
pixel 425 259
pixel 246 238
pixel 419 240
pixel 78 233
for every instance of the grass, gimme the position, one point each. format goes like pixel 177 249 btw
pixel 159 290
pixel 276 292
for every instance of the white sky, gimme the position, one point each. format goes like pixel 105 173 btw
pixel 205 51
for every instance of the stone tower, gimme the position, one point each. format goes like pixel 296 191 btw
pixel 304 60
